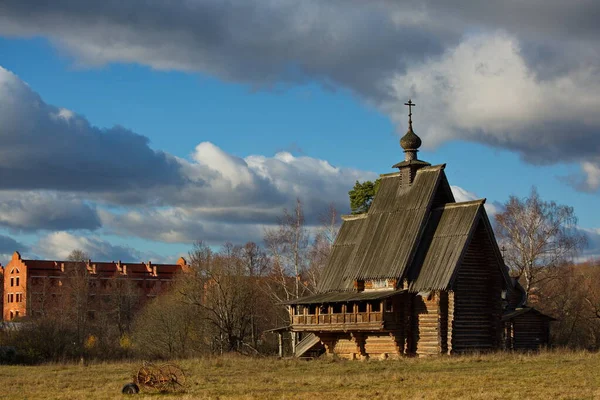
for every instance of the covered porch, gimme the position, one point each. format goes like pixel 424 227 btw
pixel 347 311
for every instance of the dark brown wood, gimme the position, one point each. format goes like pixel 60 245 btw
pixel 477 299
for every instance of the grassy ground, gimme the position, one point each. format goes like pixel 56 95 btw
pixel 550 375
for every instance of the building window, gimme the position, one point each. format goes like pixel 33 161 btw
pixel 16 314
pixel 12 315
pixel 12 282
pixel 17 281
pixel 375 306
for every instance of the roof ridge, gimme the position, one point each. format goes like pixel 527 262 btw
pixel 437 167
pixel 352 217
pixel 461 204
pixel 428 168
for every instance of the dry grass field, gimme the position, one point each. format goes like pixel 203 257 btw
pixel 549 375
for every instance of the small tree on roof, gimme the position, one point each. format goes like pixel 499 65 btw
pixel 362 195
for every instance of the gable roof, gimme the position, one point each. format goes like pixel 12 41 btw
pixel 394 225
pixel 382 243
pixel 339 264
pixel 413 231
pixel 444 243
pixel 520 311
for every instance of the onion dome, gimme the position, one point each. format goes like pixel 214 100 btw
pixel 410 141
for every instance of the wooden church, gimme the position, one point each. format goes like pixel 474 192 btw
pixel 418 274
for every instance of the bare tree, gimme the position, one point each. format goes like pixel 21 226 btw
pixel 220 284
pixel 77 293
pixel 168 327
pixel 288 247
pixel 537 235
pixel 320 248
pixel 124 299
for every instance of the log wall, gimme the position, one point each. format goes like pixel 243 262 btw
pixel 477 298
pixel 382 346
pixel 450 322
pixel 344 345
pixel 529 331
pixel 428 332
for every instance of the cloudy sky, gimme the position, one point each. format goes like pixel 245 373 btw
pixel 132 129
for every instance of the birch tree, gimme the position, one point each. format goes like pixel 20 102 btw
pixel 537 235
pixel 288 248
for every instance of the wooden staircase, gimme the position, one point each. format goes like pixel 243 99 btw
pixel 309 347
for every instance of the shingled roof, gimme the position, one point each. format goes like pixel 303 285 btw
pixel 382 243
pixel 443 244
pixel 412 231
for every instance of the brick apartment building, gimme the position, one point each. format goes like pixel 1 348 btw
pixel 30 286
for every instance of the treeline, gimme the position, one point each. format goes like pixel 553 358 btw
pixel 225 302
pixel 571 294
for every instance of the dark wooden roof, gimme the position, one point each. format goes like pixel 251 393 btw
pixel 382 243
pixel 415 232
pixel 340 297
pixel 520 311
pixel 444 241
pixel 339 265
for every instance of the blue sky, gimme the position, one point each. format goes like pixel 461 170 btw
pixel 285 107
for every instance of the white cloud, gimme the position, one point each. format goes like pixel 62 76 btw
pixel 48 147
pixel 231 169
pixel 593 243
pixel 58 246
pixel 35 210
pixel 522 77
pixel 64 114
pixel 460 194
pixel 483 90
pixel 226 208
pixel 592 172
